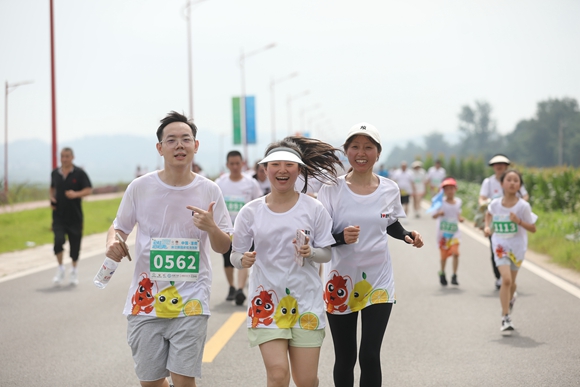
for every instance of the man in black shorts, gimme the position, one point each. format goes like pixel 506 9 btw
pixel 68 184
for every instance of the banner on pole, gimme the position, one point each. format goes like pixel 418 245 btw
pixel 251 137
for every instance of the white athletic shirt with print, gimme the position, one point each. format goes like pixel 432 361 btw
pixel 491 188
pixel 162 219
pixel 509 239
pixel 360 274
pixel 448 232
pixel 419 180
pixel 283 294
pixel 436 176
pixel 404 180
pixel 238 193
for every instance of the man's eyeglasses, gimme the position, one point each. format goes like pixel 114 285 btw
pixel 172 141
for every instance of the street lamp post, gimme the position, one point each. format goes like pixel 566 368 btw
pixel 52 85
pixel 187 16
pixel 8 88
pixel 289 101
pixel 273 83
pixel 243 57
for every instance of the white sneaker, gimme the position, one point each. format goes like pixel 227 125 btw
pixel 59 276
pixel 506 324
pixel 74 280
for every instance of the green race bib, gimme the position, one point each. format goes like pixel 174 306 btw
pixel 174 259
pixel 504 227
pixel 234 203
pixel 448 226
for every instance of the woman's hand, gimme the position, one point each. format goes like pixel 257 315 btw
pixel 248 259
pixel 351 234
pixel 416 241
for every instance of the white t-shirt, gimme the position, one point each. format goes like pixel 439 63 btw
pixel 238 193
pixel 264 186
pixel 360 274
pixel 283 294
pixel 160 212
pixel 509 239
pixel 491 188
pixel 448 232
pixel 419 177
pixel 404 180
pixel 435 176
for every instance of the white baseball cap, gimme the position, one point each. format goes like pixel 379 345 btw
pixel 365 129
pixel 499 159
pixel 282 154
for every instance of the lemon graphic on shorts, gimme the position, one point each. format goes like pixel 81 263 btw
pixel 308 321
pixel 379 296
pixel 192 308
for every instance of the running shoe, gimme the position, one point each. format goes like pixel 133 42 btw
pixel 498 283
pixel 231 294
pixel 513 301
pixel 59 276
pixel 442 278
pixel 454 280
pixel 506 323
pixel 74 278
pixel 240 297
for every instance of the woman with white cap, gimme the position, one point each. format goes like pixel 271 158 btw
pixel 286 313
pixel 364 208
pixel 491 189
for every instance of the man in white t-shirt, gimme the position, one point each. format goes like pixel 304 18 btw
pixel 404 179
pixel 491 189
pixel 238 189
pixel 435 176
pixel 182 216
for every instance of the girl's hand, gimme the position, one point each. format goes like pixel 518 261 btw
pixel 514 218
pixel 248 259
pixel 304 250
pixel 461 218
pixel 487 231
pixel 351 234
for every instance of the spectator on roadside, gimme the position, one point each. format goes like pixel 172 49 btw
pixel 179 214
pixel 68 185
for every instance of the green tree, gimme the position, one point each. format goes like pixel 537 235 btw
pixel 479 130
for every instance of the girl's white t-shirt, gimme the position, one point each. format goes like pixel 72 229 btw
pixel 448 232
pixel 360 274
pixel 160 212
pixel 283 294
pixel 238 193
pixel 509 239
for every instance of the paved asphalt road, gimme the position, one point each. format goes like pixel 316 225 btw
pixel 76 336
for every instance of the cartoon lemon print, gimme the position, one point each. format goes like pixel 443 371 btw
pixel 308 321
pixel 192 308
pixel 379 296
pixel 360 294
pixel 287 311
pixel 168 302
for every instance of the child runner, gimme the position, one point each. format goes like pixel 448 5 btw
pixel 286 311
pixel 359 277
pixel 448 234
pixel 511 217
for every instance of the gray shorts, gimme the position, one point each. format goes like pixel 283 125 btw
pixel 506 261
pixel 163 345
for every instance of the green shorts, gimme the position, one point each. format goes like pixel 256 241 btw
pixel 297 337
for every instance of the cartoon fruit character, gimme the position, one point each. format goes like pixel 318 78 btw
pixel 287 311
pixel 336 293
pixel 192 308
pixel 360 294
pixel 308 321
pixel 261 308
pixel 142 300
pixel 499 251
pixel 168 302
pixel 379 296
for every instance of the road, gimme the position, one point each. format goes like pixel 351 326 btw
pixel 76 336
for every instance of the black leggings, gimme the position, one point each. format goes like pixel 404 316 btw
pixel 343 327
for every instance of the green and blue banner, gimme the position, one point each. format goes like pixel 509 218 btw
pixel 250 120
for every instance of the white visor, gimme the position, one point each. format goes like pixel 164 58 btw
pixel 282 155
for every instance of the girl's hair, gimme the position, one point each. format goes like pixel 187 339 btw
pixel 319 158
pixel 514 171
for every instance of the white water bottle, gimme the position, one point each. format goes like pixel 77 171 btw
pixel 105 273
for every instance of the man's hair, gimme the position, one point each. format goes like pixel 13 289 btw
pixel 68 149
pixel 172 117
pixel 233 153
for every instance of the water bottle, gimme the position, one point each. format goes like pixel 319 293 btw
pixel 105 273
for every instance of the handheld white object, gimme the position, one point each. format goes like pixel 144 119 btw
pixel 300 241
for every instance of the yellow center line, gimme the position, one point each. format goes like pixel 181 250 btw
pixel 222 336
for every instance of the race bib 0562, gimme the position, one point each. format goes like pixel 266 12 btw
pixel 174 259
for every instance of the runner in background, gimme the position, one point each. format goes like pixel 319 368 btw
pixel 238 189
pixel 419 178
pixel 508 221
pixel 404 179
pixel 262 178
pixel 435 176
pixel 448 234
